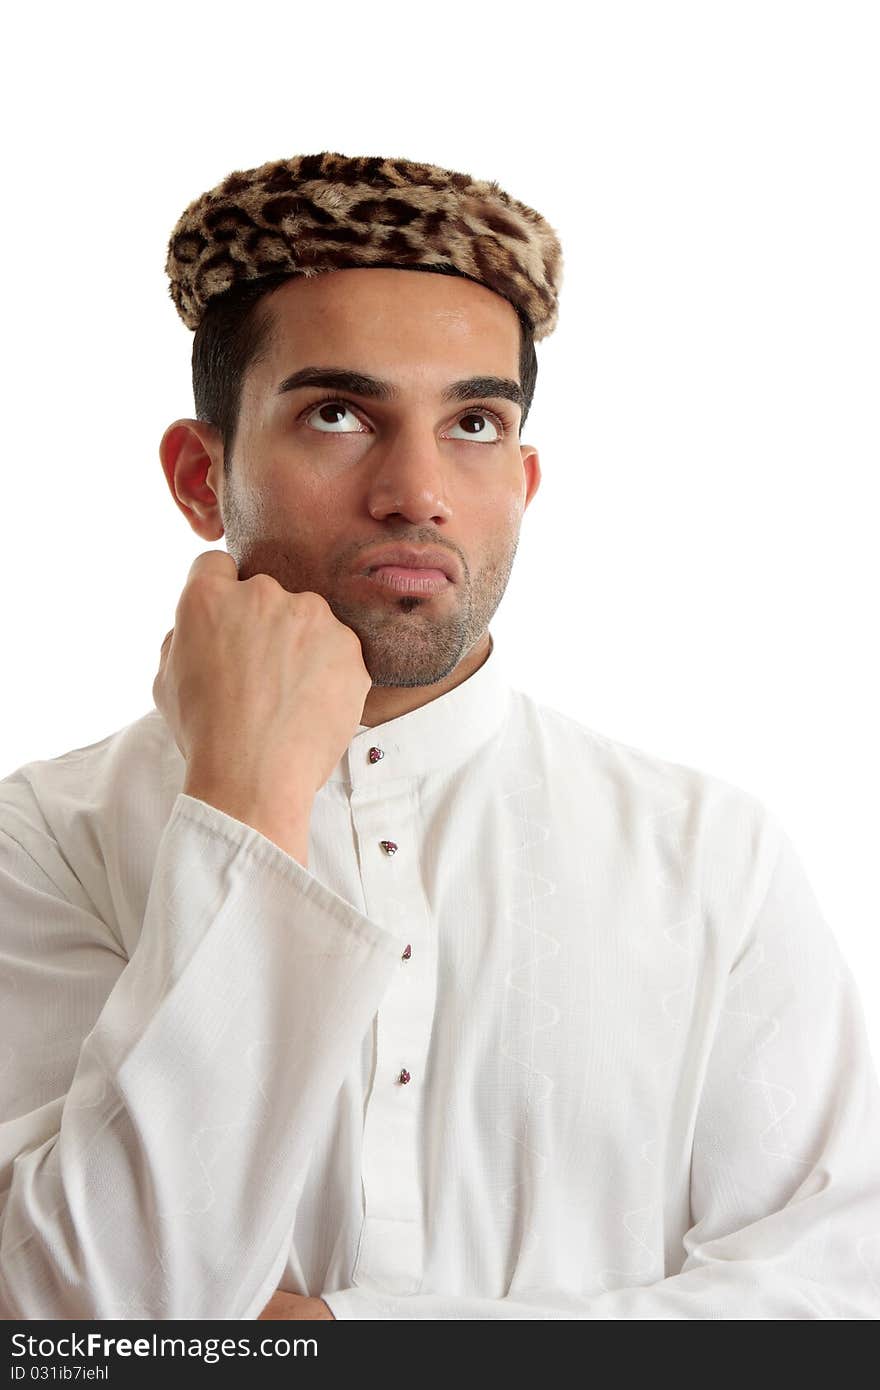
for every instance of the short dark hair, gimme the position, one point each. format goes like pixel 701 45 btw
pixel 235 335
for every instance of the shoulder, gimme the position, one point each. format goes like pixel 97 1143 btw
pixel 65 810
pixel 647 796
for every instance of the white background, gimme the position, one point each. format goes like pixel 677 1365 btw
pixel 698 574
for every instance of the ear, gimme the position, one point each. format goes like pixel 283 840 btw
pixel 532 470
pixel 191 452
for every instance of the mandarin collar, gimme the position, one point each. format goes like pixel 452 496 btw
pixel 435 736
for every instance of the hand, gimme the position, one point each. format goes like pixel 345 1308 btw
pixel 295 1307
pixel 262 689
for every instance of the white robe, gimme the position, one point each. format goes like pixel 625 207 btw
pixel 640 1079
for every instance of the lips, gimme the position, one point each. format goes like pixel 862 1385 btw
pixel 407 557
pixel 409 581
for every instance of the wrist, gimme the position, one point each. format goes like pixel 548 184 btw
pixel 287 825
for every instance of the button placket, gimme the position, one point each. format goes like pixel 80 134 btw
pixel 391 1244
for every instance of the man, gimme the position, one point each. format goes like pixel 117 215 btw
pixel 350 982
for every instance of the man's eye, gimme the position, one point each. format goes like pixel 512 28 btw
pixel 327 408
pixel 480 416
pixel 475 432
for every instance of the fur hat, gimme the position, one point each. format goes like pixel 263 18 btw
pixel 329 211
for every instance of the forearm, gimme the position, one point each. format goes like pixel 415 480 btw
pixel 167 1184
pixel 744 1290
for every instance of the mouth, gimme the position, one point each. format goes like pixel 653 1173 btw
pixel 402 580
pixel 425 560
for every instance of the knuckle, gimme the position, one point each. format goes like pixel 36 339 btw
pixel 212 562
pixel 310 602
pixel 261 580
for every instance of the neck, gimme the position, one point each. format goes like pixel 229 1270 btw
pixel 386 702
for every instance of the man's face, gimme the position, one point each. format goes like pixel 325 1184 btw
pixel 315 486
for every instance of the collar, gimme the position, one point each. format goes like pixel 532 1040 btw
pixel 433 737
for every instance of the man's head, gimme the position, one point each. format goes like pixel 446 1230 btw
pixel 307 490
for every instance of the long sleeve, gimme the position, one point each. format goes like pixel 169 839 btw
pixel 161 1179
pixel 785 1171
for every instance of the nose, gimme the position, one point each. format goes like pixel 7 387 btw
pixel 411 477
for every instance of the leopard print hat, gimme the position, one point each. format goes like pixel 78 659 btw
pixel 330 211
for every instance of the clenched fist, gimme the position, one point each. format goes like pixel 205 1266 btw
pixel 261 688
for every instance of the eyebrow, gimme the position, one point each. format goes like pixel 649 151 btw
pixel 359 384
